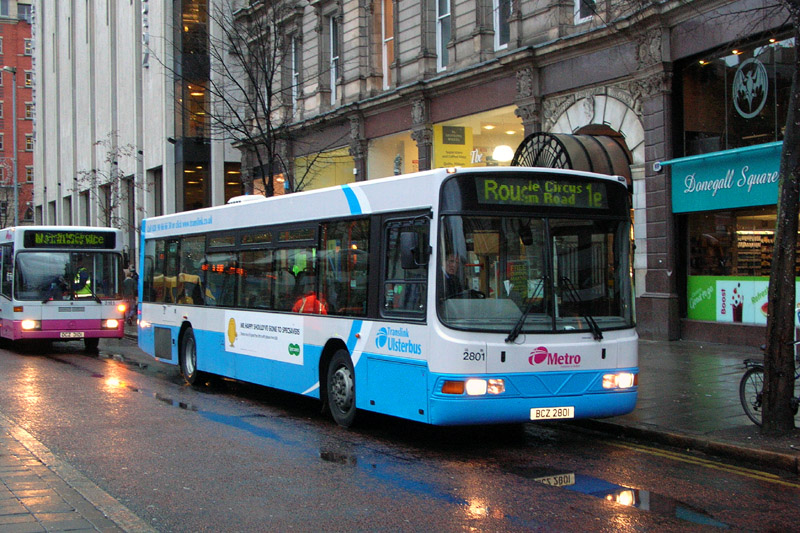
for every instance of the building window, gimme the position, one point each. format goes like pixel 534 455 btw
pixel 28 47
pixel 333 44
pixel 294 45
pixel 1 45
pixel 442 33
pixel 29 143
pixel 28 78
pixel 4 8
pixel 28 174
pixel 584 10
pixel 501 12
pixel 29 109
pixel 24 12
pixel 1 109
pixel 387 40
pixel 2 144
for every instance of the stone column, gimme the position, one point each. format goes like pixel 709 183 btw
pixel 422 132
pixel 528 100
pixel 658 307
pixel 358 147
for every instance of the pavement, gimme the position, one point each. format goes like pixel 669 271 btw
pixel 688 399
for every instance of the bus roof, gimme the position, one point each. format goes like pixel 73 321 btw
pixel 404 192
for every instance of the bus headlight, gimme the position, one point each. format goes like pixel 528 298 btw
pixel 111 323
pixel 29 325
pixel 121 308
pixel 474 387
pixel 622 380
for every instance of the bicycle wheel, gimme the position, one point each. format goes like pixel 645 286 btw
pixel 750 389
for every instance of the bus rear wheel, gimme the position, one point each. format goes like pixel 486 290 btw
pixel 341 389
pixel 188 357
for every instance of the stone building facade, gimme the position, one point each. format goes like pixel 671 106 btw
pixel 373 88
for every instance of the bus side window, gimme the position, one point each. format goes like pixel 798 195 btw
pixel 257 280
pixel 8 269
pixel 343 267
pixel 405 289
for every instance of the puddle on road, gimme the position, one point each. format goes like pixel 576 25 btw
pixel 643 500
pixel 330 456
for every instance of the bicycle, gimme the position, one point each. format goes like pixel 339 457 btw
pixel 752 385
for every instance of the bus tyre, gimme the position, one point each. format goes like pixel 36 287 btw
pixel 91 344
pixel 188 357
pixel 342 388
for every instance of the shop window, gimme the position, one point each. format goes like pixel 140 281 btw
pixel 391 155
pixel 482 140
pixel 324 169
pixel 737 98
pixel 732 243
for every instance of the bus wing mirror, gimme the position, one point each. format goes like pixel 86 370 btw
pixel 411 253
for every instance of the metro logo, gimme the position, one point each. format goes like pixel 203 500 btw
pixel 542 355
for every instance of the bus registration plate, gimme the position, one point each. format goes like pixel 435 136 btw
pixel 552 413
pixel 72 334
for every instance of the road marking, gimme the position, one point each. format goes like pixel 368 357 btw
pixel 742 471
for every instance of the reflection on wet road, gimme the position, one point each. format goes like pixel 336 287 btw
pixel 241 456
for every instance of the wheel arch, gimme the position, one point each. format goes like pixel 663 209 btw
pixel 330 348
pixel 184 326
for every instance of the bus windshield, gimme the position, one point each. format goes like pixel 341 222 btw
pixel 45 276
pixel 561 274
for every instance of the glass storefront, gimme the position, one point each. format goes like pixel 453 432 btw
pixel 733 115
pixel 392 155
pixel 324 169
pixel 738 97
pixel 483 140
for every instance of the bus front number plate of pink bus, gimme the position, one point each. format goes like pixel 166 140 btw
pixel 71 334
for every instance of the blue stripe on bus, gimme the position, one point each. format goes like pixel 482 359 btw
pixel 355 329
pixel 352 201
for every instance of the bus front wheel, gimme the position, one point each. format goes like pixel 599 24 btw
pixel 188 357
pixel 91 344
pixel 342 389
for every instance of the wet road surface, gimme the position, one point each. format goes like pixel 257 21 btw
pixel 235 457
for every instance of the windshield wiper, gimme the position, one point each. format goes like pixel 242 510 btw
pixel 528 308
pixel 597 333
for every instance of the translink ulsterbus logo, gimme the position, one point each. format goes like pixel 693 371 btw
pixel 542 355
pixel 397 340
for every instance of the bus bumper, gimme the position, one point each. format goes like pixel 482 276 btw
pixel 517 404
pixel 64 330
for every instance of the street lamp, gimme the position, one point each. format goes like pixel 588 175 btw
pixel 13 71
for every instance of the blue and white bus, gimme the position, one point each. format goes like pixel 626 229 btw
pixel 450 297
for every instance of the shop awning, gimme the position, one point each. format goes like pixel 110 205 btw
pixel 742 177
pixel 594 153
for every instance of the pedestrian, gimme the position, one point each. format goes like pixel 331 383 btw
pixel 129 293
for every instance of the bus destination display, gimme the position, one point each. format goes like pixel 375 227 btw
pixel 542 192
pixel 88 240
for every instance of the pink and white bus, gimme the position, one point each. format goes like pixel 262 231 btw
pixel 61 283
